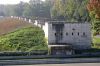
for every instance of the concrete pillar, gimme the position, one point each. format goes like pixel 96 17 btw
pixel 12 16
pixel 19 18
pixel 25 19
pixel 36 22
pixel 30 21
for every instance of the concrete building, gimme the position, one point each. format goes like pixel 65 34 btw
pixel 63 37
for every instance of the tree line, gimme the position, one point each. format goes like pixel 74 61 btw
pixel 70 10
pixel 24 9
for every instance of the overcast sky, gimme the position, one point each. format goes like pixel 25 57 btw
pixel 12 1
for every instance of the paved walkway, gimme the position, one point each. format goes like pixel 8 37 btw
pixel 72 64
pixel 49 61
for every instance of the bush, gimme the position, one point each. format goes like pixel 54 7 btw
pixel 97 27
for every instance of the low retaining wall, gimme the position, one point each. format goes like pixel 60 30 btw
pixel 48 56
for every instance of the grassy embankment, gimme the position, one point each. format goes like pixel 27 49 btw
pixel 20 37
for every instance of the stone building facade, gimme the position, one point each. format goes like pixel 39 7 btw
pixel 64 37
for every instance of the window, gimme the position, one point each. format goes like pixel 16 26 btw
pixel 55 34
pixel 78 34
pixel 72 33
pixel 73 29
pixel 61 34
pixel 66 33
pixel 83 33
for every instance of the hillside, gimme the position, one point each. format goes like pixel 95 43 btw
pixel 25 39
pixel 8 25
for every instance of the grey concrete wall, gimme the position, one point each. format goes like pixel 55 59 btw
pixel 78 39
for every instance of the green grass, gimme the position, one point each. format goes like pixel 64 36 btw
pixel 25 39
pixel 96 42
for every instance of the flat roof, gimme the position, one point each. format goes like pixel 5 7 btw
pixel 61 22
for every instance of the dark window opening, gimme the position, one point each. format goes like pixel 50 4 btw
pixel 66 33
pixel 83 33
pixel 73 29
pixel 78 34
pixel 72 33
pixel 61 34
pixel 55 34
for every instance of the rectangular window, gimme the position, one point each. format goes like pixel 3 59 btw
pixel 78 34
pixel 72 33
pixel 83 33
pixel 66 34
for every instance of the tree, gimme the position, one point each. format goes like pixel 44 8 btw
pixel 30 10
pixel 38 9
pixel 96 27
pixel 94 8
pixel 9 10
pixel 2 10
pixel 58 10
pixel 71 10
pixel 27 10
pixel 19 8
pixel 81 12
pixel 94 11
pixel 14 10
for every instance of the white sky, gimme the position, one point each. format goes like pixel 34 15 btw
pixel 13 1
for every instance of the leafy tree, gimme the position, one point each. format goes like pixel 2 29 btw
pixel 70 10
pixel 19 8
pixel 81 13
pixel 58 10
pixel 37 9
pixel 94 11
pixel 2 10
pixel 96 26
pixel 27 10
pixel 9 10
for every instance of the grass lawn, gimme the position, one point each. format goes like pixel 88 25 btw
pixel 96 42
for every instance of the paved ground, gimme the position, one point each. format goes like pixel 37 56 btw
pixel 49 61
pixel 72 64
